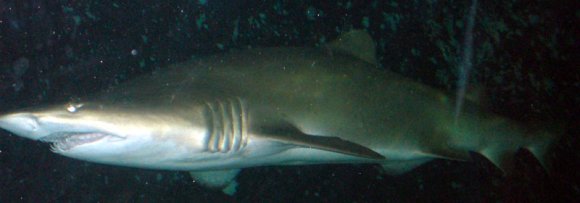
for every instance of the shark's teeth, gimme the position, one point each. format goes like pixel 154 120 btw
pixel 66 141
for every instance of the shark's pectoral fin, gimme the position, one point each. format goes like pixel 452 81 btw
pixel 220 179
pixel 288 134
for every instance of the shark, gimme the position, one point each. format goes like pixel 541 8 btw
pixel 332 104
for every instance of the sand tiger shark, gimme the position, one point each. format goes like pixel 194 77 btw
pixel 274 106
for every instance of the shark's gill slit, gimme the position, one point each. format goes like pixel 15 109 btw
pixel 213 128
pixel 219 130
pixel 233 124
pixel 226 125
pixel 239 124
pixel 242 128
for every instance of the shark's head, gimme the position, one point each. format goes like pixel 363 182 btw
pixel 108 133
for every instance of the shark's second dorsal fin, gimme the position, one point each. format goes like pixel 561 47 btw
pixel 357 43
pixel 288 134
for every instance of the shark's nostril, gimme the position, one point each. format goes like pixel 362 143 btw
pixel 32 122
pixel 29 121
pixel 23 124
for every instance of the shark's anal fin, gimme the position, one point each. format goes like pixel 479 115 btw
pixel 219 179
pixel 503 159
pixel 289 134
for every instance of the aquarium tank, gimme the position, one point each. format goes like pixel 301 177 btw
pixel 289 101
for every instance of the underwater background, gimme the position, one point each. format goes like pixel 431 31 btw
pixel 525 55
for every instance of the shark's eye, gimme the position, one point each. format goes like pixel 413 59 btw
pixel 73 107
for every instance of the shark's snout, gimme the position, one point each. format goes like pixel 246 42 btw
pixel 22 124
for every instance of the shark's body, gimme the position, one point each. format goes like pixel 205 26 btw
pixel 274 106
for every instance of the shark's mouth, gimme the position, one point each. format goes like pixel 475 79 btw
pixel 64 141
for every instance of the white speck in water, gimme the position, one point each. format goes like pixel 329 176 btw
pixel 134 52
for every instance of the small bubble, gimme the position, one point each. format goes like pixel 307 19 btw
pixel 134 52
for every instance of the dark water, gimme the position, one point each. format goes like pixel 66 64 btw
pixel 525 54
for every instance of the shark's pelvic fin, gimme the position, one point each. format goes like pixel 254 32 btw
pixel 289 134
pixel 219 179
pixel 401 167
pixel 357 43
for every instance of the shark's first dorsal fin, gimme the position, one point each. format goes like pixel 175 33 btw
pixel 291 135
pixel 357 43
